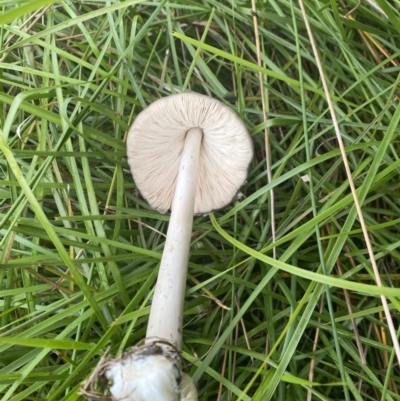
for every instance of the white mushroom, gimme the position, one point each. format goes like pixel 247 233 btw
pixel 188 153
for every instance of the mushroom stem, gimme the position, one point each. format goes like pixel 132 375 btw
pixel 166 314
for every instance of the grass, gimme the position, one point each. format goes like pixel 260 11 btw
pixel 282 299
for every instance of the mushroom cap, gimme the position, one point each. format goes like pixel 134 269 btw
pixel 156 139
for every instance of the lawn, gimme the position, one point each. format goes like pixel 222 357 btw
pixel 293 289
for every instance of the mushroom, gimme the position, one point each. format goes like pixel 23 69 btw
pixel 188 153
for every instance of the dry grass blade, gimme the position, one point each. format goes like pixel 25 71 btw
pixel 265 117
pixel 315 347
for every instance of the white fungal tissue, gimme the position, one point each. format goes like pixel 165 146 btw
pixel 149 375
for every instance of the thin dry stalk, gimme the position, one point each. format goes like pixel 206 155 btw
pixel 265 117
pixel 368 39
pixel 353 321
pixel 315 345
pixel 384 341
pixel 220 387
pixel 246 337
pixel 348 14
pixel 370 48
pixel 35 17
pixel 351 183
pixel 46 280
pixel 234 358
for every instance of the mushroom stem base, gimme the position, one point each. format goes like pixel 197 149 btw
pixel 166 313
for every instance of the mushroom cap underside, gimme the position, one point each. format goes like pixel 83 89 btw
pixel 156 140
